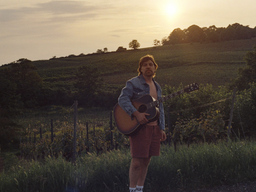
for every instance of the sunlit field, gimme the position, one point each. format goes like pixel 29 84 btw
pixel 182 63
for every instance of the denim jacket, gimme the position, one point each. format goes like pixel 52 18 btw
pixel 135 88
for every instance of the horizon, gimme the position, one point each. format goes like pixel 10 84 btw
pixel 38 30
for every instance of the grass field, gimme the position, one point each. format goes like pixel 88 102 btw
pixel 214 63
pixel 199 166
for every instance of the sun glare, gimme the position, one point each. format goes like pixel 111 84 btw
pixel 171 10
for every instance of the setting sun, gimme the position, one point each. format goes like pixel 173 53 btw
pixel 171 10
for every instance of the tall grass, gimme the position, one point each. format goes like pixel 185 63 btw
pixel 195 167
pixel 203 165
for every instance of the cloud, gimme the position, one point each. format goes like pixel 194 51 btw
pixel 50 19
pixel 115 35
pixel 65 7
pixel 9 15
pixel 51 10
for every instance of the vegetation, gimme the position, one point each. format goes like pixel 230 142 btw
pixel 198 166
pixel 35 92
pixel 56 81
pixel 134 44
pixel 200 117
pixel 247 75
pixel 194 34
pixel 88 85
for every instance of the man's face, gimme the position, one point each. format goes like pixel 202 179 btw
pixel 148 68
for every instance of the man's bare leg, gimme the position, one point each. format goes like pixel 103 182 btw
pixel 138 171
pixel 144 164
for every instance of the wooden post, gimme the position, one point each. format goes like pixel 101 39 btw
pixel 75 124
pixel 94 136
pixel 231 114
pixel 34 137
pixel 41 135
pixel 111 130
pixel 51 130
pixel 169 127
pixel 29 138
pixel 87 136
pixel 171 131
pixel 21 151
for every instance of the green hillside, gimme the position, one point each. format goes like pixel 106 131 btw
pixel 214 63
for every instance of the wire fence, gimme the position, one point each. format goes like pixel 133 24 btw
pixel 88 137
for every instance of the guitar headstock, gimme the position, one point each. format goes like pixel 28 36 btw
pixel 191 87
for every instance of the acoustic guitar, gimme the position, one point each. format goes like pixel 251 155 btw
pixel 128 125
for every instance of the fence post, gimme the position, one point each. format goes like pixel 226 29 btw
pixel 41 135
pixel 94 136
pixel 111 130
pixel 87 136
pixel 171 131
pixel 169 127
pixel 51 130
pixel 74 139
pixel 231 113
pixel 34 137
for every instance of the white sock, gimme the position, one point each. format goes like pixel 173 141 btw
pixel 139 188
pixel 132 189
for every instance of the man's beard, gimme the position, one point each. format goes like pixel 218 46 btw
pixel 149 73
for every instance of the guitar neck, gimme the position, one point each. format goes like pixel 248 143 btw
pixel 188 89
pixel 165 98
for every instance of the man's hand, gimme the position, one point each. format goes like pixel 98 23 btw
pixel 141 117
pixel 163 135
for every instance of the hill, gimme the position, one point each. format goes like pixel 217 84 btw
pixel 213 63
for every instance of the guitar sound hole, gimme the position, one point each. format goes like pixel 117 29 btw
pixel 142 108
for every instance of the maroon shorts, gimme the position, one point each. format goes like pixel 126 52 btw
pixel 146 142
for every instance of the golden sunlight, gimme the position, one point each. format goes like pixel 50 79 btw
pixel 171 9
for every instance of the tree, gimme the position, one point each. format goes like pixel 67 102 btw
pixel 99 51
pixel 247 75
pixel 228 33
pixel 211 33
pixel 242 32
pixel 254 32
pixel 105 50
pixel 28 82
pixel 134 44
pixel 9 99
pixel 121 49
pixel 195 34
pixel 177 36
pixel 10 105
pixel 165 41
pixel 88 83
pixel 157 42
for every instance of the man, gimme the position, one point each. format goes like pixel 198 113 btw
pixel 146 142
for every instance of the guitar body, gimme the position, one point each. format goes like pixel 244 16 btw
pixel 129 125
pixel 146 104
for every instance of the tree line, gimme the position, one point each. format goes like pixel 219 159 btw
pixel 194 34
pixel 212 33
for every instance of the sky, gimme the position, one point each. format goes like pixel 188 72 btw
pixel 42 29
